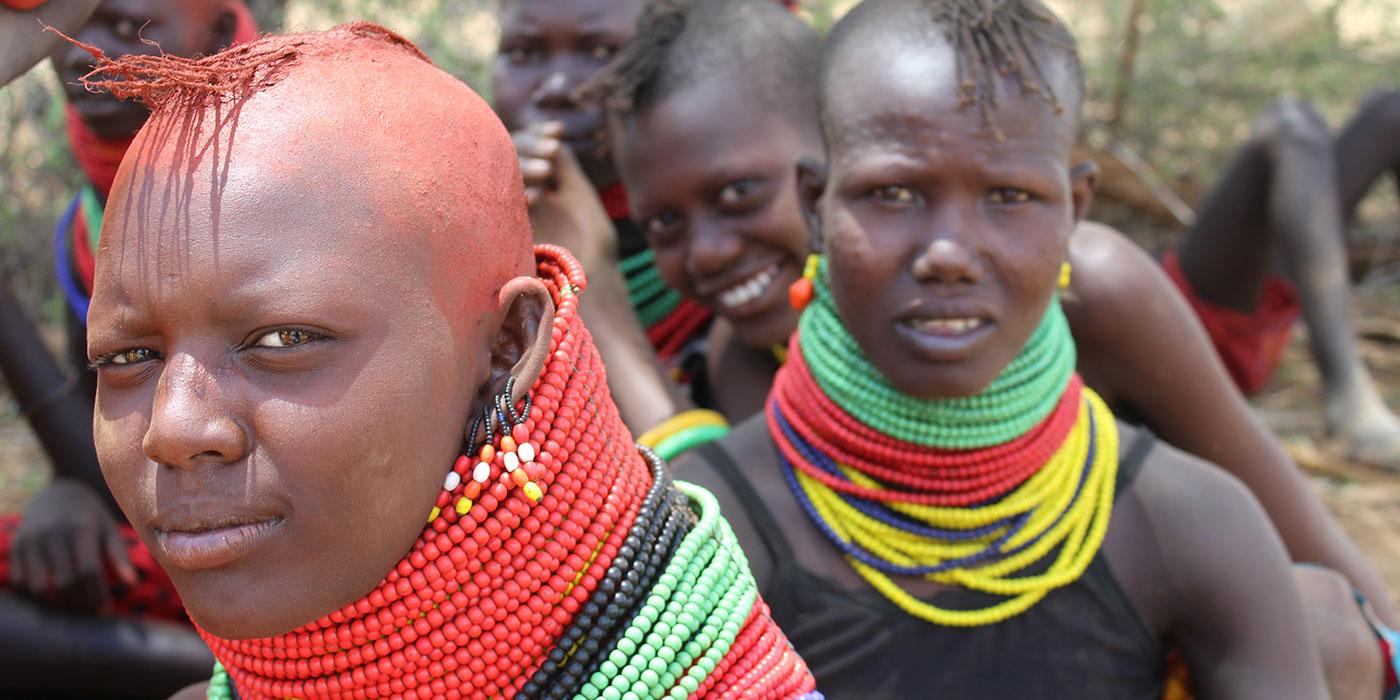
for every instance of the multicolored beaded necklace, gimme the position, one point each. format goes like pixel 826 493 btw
pixel 671 321
pixel 1007 492
pixel 558 562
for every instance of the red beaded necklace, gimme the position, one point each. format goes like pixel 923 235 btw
pixel 486 590
pixel 517 544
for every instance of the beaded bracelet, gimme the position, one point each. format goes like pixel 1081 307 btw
pixel 688 439
pixel 679 423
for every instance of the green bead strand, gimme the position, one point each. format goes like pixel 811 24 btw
pixel 637 261
pixel 1025 392
pixel 653 312
pixel 650 297
pixel 688 621
pixel 220 687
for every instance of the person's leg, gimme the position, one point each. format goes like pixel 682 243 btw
pixel 1351 656
pixel 1367 148
pixel 1282 199
pixel 1221 255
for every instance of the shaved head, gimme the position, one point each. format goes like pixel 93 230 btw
pixel 682 43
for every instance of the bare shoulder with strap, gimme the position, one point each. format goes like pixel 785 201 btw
pixel 718 467
pixel 1196 555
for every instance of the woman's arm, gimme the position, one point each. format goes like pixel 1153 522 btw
pixel 1141 346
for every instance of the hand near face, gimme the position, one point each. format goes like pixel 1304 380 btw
pixel 538 145
pixel 66 540
pixel 564 207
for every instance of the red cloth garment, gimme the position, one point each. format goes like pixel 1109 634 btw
pixel 1250 344
pixel 21 5
pixel 614 200
pixel 153 596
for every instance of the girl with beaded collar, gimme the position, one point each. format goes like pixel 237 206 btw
pixel 410 483
pixel 718 201
pixel 933 501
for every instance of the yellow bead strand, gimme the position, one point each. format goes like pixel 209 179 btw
pixel 1059 512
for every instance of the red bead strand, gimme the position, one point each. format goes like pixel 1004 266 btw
pixel 946 478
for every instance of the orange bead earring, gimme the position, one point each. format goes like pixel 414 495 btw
pixel 800 292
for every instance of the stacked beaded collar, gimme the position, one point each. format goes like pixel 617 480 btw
pixel 558 562
pixel 1007 492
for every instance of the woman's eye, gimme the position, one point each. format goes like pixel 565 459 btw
pixel 738 191
pixel 125 29
pixel 892 194
pixel 660 224
pixel 286 338
pixel 127 357
pixel 521 55
pixel 1008 195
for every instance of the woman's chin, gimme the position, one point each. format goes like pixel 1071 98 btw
pixel 245 613
pixel 763 332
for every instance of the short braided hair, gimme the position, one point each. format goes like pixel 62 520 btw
pixel 993 40
pixel 680 42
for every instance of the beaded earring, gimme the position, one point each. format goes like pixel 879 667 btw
pixel 1064 275
pixel 800 292
pixel 512 452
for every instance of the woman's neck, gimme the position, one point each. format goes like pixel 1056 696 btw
pixel 747 372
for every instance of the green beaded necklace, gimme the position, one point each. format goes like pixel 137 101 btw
pixel 650 296
pixel 1025 392
pixel 690 619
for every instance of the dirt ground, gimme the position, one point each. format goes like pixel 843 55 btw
pixel 1367 502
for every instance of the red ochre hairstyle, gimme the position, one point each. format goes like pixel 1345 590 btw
pixel 466 180
pixel 166 81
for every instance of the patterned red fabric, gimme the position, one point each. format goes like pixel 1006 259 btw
pixel 152 597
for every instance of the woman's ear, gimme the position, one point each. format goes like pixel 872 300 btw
pixel 1083 180
pixel 521 346
pixel 811 185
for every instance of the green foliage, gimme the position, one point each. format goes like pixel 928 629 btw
pixel 1202 74
pixel 37 176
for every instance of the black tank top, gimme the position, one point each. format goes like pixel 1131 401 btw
pixel 1084 641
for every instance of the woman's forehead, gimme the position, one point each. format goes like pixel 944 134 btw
pixel 261 243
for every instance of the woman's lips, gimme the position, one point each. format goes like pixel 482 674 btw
pixel 944 339
pixel 208 548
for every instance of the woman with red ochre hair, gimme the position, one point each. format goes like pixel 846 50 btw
pixel 357 417
pixel 76 586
